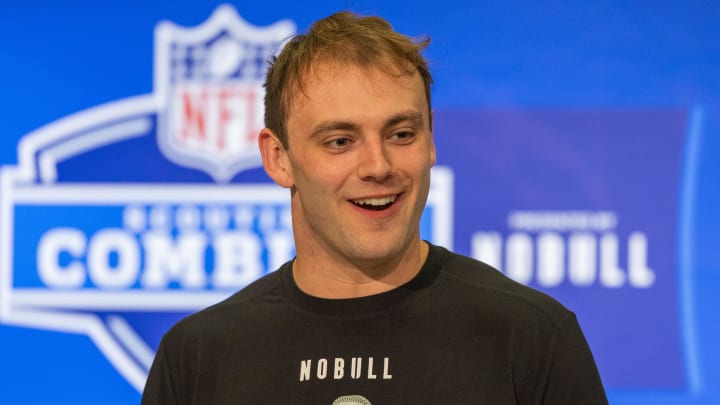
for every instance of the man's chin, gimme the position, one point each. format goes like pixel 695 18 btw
pixel 376 254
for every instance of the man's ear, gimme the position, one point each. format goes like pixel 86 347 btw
pixel 433 152
pixel 275 158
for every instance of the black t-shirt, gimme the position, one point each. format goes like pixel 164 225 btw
pixel 460 332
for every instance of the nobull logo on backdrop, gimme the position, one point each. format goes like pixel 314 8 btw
pixel 121 219
pixel 582 204
pixel 579 248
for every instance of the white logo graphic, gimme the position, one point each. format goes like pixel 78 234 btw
pixel 209 82
pixel 152 255
pixel 581 248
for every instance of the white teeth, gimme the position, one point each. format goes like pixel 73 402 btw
pixel 376 201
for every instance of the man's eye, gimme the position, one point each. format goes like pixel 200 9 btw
pixel 339 143
pixel 403 136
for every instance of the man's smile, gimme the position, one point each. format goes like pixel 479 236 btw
pixel 376 203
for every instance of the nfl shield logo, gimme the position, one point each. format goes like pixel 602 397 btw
pixel 209 82
pixel 87 266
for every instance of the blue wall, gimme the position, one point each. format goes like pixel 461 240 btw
pixel 610 106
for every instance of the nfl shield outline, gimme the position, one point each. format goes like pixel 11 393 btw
pixel 204 76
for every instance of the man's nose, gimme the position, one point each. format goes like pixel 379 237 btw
pixel 374 161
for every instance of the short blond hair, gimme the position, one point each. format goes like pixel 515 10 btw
pixel 343 37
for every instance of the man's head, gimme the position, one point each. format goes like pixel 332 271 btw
pixel 343 38
pixel 352 141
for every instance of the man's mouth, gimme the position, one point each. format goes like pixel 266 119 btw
pixel 376 204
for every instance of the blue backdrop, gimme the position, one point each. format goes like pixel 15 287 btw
pixel 563 126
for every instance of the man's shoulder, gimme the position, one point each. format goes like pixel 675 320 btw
pixel 243 307
pixel 489 285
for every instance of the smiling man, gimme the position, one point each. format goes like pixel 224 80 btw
pixel 358 163
pixel 368 313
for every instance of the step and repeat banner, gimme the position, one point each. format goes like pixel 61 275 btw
pixel 132 193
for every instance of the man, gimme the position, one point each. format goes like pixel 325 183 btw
pixel 368 313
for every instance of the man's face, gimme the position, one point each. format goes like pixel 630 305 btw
pixel 360 153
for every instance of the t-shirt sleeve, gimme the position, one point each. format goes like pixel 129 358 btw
pixel 571 373
pixel 159 388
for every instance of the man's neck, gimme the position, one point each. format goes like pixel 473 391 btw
pixel 334 279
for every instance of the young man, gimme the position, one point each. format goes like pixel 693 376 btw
pixel 368 313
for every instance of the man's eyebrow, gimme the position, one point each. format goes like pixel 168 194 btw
pixel 413 116
pixel 327 126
